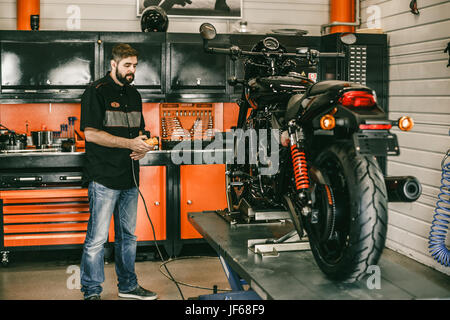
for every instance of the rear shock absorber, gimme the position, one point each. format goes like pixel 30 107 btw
pixel 300 167
pixel 298 157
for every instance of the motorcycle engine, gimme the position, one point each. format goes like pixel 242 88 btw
pixel 268 187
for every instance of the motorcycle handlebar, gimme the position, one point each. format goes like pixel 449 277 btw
pixel 332 55
pixel 238 52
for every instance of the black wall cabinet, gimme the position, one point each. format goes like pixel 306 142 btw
pixel 150 74
pixel 44 66
pixel 56 66
pixel 194 74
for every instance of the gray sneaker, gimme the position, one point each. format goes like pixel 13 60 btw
pixel 139 293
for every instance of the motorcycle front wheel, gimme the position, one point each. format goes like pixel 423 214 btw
pixel 349 232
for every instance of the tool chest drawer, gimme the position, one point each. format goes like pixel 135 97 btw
pixel 43 217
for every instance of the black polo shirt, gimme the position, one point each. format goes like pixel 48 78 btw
pixel 117 110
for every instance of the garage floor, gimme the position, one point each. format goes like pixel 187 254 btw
pixel 52 275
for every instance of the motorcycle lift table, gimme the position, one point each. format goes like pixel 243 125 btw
pixel 294 275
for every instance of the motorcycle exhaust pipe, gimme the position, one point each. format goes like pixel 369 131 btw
pixel 403 188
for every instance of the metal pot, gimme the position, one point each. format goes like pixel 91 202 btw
pixel 13 141
pixel 48 138
pixel 36 137
pixel 42 139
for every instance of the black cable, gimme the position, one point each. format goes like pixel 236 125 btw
pixel 187 284
pixel 154 234
pixel 148 217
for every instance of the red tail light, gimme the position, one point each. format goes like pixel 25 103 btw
pixel 375 126
pixel 357 99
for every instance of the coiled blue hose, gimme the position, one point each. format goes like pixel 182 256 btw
pixel 441 221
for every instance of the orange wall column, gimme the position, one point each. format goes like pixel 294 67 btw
pixel 25 9
pixel 342 11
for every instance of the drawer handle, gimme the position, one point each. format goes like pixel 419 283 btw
pixel 156 203
pixel 28 179
pixel 74 178
pixel 189 202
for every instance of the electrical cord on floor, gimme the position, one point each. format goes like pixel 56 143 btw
pixel 187 284
pixel 154 234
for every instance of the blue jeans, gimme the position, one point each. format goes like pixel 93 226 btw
pixel 102 203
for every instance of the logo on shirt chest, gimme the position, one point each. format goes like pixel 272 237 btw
pixel 115 104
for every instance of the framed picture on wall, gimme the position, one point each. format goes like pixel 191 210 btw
pixel 227 9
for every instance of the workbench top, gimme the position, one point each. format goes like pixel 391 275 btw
pixel 295 275
pixel 76 159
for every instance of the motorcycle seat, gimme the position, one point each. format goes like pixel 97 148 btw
pixel 330 85
pixel 325 89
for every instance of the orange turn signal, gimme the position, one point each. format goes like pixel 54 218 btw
pixel 327 122
pixel 405 123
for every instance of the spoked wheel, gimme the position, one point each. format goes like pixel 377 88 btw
pixel 348 226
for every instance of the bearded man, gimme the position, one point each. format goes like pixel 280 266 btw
pixel 111 118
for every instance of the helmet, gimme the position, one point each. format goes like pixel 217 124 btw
pixel 154 19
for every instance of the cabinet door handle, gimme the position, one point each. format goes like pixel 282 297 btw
pixel 156 203
pixel 189 202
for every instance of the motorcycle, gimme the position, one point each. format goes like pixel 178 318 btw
pixel 327 137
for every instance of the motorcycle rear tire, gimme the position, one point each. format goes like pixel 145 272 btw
pixel 361 208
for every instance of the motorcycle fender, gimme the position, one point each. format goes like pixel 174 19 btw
pixel 317 176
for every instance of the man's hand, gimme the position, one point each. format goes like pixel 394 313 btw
pixel 138 145
pixel 105 139
pixel 137 156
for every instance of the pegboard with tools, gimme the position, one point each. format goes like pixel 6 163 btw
pixel 186 122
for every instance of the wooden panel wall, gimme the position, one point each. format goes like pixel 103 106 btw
pixel 120 15
pixel 419 87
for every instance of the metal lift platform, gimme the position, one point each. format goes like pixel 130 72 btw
pixel 292 274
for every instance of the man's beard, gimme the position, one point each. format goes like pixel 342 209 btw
pixel 124 79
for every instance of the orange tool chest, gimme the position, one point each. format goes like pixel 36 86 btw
pixel 43 217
